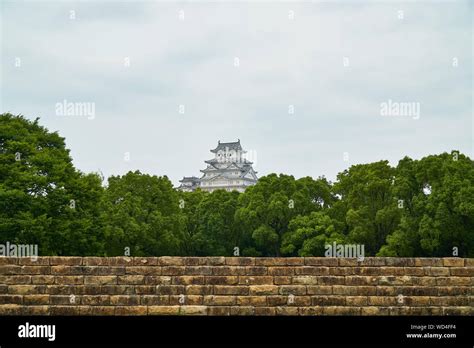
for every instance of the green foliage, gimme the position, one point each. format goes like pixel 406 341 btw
pixel 217 234
pixel 141 213
pixel 418 208
pixel 308 235
pixel 189 202
pixel 438 207
pixel 370 210
pixel 267 208
pixel 43 199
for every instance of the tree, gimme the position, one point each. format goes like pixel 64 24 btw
pixel 368 206
pixel 217 233
pixel 420 208
pixel 189 203
pixel 437 193
pixel 44 200
pixel 308 235
pixel 267 208
pixel 141 214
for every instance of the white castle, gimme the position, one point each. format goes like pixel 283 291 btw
pixel 228 170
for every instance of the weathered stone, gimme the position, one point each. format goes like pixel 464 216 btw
pixel 100 280
pixel 124 300
pixel 321 271
pixel 171 261
pixel 26 289
pixel 267 311
pixel 97 300
pixel 236 286
pixel 199 289
pixel 319 290
pixel 399 261
pixel 252 300
pixel 170 289
pixel 231 290
pixel 163 310
pixel 219 311
pixel 195 261
pixel 330 280
pixel 279 261
pixel 65 261
pixel 286 310
pixel 282 280
pixel 98 310
pixel 16 279
pixel 120 261
pixel 143 270
pixel 228 270
pixel 64 300
pixel 66 310
pixel 292 290
pixel 214 300
pixel 67 279
pixel 189 280
pixel 155 300
pixel 222 280
pixel 311 310
pixel 9 269
pixel 433 262
pixel 43 279
pixel 337 310
pixel 131 310
pixel 11 309
pixel 145 261
pixel 356 301
pixel 36 300
pixel 242 310
pixel 11 299
pixel 462 271
pixel 321 261
pixel 198 270
pixel 453 262
pixel 131 279
pixel 257 280
pixel 9 260
pixel 36 310
pixel 144 289
pixel 281 271
pixel 34 270
pixel 240 261
pixel 172 270
pixel 374 311
pixel 158 280
pixel 35 261
pixel 263 290
pixel 328 300
pixel 305 280
pixel 193 310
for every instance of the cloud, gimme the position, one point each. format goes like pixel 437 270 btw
pixel 282 62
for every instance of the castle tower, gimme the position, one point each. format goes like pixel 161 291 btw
pixel 228 170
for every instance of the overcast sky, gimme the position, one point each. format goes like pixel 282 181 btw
pixel 239 69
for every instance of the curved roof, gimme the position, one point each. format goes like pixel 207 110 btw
pixel 229 146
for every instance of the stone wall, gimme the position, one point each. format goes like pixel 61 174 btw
pixel 236 286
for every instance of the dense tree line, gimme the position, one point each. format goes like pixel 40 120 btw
pixel 418 208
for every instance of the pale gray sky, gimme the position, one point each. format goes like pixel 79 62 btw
pixel 290 53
